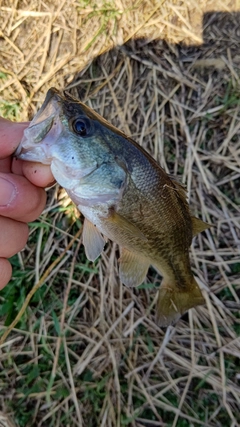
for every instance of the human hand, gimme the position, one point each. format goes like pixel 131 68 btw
pixel 21 197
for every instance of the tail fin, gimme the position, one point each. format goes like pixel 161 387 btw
pixel 173 302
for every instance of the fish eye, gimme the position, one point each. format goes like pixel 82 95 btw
pixel 81 126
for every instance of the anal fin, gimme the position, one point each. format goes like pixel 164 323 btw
pixel 93 241
pixel 133 268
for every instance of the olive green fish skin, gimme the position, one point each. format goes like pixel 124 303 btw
pixel 124 193
pixel 152 202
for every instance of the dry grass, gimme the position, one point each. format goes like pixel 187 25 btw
pixel 87 352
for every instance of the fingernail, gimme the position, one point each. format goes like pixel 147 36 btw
pixel 7 192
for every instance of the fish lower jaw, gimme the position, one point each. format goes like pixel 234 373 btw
pixel 32 154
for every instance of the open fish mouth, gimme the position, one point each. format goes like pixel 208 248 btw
pixel 40 130
pixel 39 138
pixel 34 134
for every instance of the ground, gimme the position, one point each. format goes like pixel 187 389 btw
pixel 87 351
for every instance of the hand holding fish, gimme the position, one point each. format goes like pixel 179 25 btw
pixel 124 195
pixel 21 201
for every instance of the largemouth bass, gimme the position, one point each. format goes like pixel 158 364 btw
pixel 124 195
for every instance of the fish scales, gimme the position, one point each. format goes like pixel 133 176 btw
pixel 124 195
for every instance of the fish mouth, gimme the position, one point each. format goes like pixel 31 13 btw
pixel 43 130
pixel 36 132
pixel 40 130
pixel 28 148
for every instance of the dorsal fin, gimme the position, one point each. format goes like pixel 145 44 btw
pixel 198 225
pixel 181 190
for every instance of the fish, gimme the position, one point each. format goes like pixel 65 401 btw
pixel 124 196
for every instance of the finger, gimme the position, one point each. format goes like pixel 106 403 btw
pixel 38 174
pixel 6 272
pixel 5 165
pixel 10 136
pixel 13 237
pixel 19 199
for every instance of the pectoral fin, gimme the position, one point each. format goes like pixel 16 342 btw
pixel 93 241
pixel 133 268
pixel 124 225
pixel 198 225
pixel 173 302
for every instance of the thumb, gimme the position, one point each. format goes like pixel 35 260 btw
pixel 10 136
pixel 6 272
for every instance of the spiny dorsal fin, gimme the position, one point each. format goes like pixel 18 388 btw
pixel 92 240
pixel 181 190
pixel 133 268
pixel 198 225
